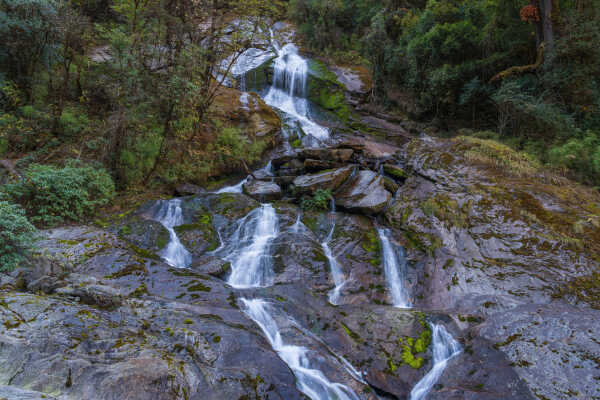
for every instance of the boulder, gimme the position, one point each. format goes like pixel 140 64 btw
pixel 187 189
pixel 308 184
pixel 262 190
pixel 395 171
pixel 341 155
pixel 368 147
pixel 365 193
pixel 319 165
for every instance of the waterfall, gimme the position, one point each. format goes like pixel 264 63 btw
pixel 310 381
pixel 336 271
pixel 395 270
pixel 444 348
pixel 169 215
pixel 297 225
pixel 238 188
pixel 288 91
pixel 248 249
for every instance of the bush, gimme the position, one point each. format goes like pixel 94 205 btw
pixel 320 201
pixel 73 121
pixel 16 236
pixel 581 155
pixel 52 195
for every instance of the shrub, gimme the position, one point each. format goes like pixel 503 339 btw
pixel 53 195
pixel 73 121
pixel 16 235
pixel 319 201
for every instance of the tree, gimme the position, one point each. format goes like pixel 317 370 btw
pixel 28 38
pixel 170 59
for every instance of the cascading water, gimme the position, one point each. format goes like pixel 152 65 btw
pixel 395 270
pixel 169 215
pixel 288 91
pixel 248 249
pixel 238 188
pixel 310 381
pixel 336 271
pixel 444 349
pixel 297 225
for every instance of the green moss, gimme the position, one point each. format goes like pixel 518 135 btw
pixel 140 291
pixel 409 358
pixel 69 242
pixel 125 230
pixel 508 340
pixel 395 171
pixel 188 321
pixel 370 244
pixel 296 143
pixel 138 269
pixel 353 335
pixel 198 287
pixel 144 253
pixel 216 339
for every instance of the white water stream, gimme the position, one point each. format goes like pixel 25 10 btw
pixel 336 271
pixel 169 215
pixel 395 269
pixel 310 381
pixel 248 249
pixel 444 349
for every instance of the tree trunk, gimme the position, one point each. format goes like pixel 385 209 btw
pixel 546 7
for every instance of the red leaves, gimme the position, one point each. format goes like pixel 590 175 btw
pixel 530 13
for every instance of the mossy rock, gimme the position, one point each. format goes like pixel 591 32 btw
pixel 324 90
pixel 142 232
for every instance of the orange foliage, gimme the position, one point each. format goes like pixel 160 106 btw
pixel 530 13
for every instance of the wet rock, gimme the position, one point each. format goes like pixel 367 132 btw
pixel 551 347
pixel 262 190
pixel 46 284
pixel 145 349
pixel 390 184
pixel 212 266
pixel 365 193
pixel 395 171
pixel 307 184
pixel 187 189
pixel 142 231
pixel 14 393
pixel 338 155
pixel 97 295
pixel 319 165
pixel 369 148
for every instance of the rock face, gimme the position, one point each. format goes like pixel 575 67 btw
pixel 493 243
pixel 262 190
pixel 365 193
pixel 307 184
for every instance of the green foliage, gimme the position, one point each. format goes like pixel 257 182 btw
pixel 137 159
pixel 73 121
pixel 53 195
pixel 29 38
pixel 579 154
pixel 320 200
pixel 16 236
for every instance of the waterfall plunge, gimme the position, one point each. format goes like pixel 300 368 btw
pixel 395 270
pixel 169 215
pixel 288 91
pixel 444 349
pixel 310 381
pixel 336 271
pixel 248 249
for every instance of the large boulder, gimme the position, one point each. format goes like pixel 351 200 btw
pixel 262 190
pixel 365 192
pixel 339 155
pixel 308 184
